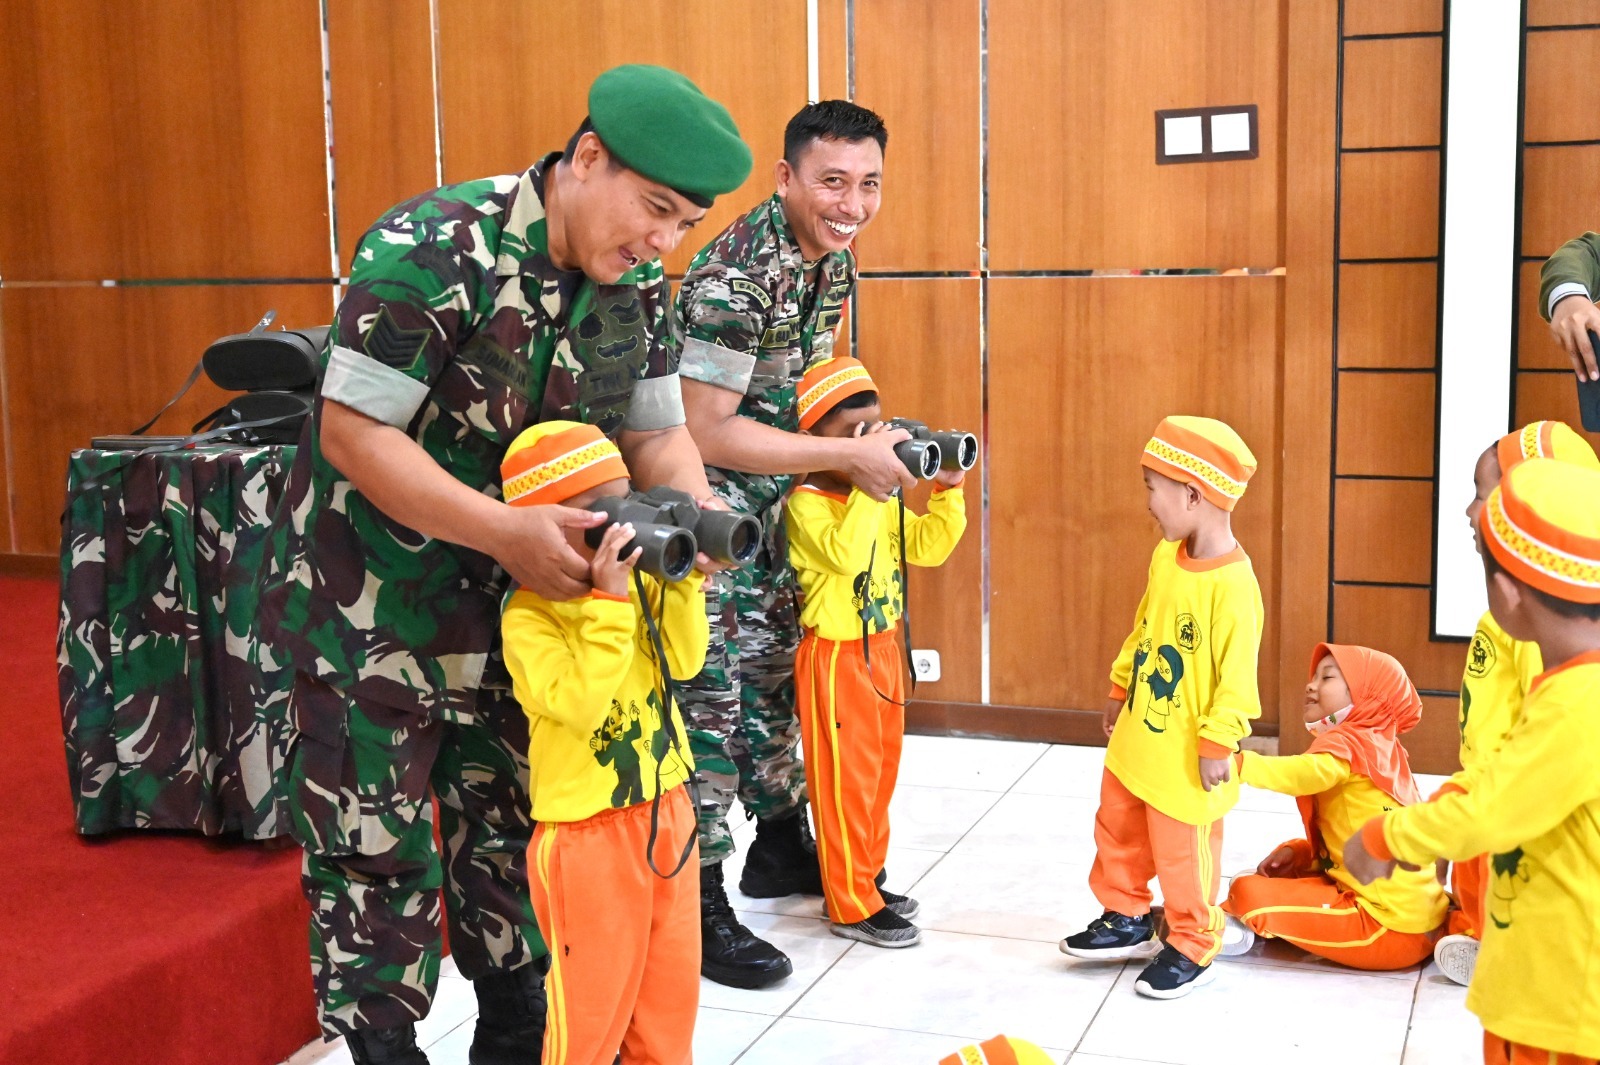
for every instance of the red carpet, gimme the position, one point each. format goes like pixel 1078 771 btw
pixel 165 949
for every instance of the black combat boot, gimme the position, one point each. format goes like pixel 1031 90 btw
pixel 779 862
pixel 511 1013
pixel 729 953
pixel 385 1046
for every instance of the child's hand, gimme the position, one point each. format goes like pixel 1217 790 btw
pixel 1362 865
pixel 1214 771
pixel 1109 716
pixel 1279 863
pixel 949 478
pixel 608 572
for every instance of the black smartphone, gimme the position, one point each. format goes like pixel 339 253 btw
pixel 1589 395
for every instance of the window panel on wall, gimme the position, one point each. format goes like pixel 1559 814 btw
pixel 494 124
pixel 1069 419
pixel 928 97
pixel 1393 16
pixel 1389 205
pixel 381 62
pixel 1385 424
pixel 1391 92
pixel 919 337
pixel 1396 620
pixel 1384 531
pixel 1560 190
pixel 1388 315
pixel 83 361
pixel 1536 348
pixel 167 139
pixel 1073 90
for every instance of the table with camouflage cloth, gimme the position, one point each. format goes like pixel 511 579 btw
pixel 167 703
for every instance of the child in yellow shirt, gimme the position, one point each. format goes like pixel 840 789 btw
pixel 1359 702
pixel 1535 805
pixel 850 671
pixel 607 766
pixel 1499 673
pixel 1183 694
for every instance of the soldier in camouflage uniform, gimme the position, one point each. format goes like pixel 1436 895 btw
pixel 473 311
pixel 759 304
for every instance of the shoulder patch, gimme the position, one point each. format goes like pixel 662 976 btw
pixel 750 288
pixel 391 345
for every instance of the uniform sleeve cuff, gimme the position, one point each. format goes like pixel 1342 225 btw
pixel 1212 749
pixel 716 365
pixel 1561 292
pixel 1118 692
pixel 656 403
pixel 1376 843
pixel 369 387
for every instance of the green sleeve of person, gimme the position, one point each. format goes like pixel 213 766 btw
pixel 1575 262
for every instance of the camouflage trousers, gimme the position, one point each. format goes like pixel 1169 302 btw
pixel 358 781
pixel 740 710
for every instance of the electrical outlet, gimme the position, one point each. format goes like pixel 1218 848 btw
pixel 925 664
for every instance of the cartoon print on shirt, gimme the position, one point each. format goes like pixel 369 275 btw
pixel 1161 688
pixel 1510 871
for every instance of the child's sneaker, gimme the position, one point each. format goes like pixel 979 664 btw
pixel 1114 935
pixel 883 929
pixel 1237 937
pixel 904 905
pixel 1457 957
pixel 1172 975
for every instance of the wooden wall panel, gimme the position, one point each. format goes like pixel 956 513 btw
pixel 920 339
pixel 1563 12
pixel 1389 315
pixel 1391 92
pixel 381 65
pixel 1550 395
pixel 754 63
pixel 1560 187
pixel 1557 105
pixel 1068 421
pixel 1385 424
pixel 928 97
pixel 833 49
pixel 1389 205
pixel 1384 531
pixel 8 542
pixel 1434 746
pixel 1393 16
pixel 174 138
pixel 82 361
pixel 1073 90
pixel 1536 349
pixel 1396 620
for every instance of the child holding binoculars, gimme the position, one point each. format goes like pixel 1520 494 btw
pixel 847 550
pixel 607 766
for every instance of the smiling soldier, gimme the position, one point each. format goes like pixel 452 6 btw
pixel 761 303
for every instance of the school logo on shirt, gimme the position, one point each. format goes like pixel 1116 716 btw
pixel 1188 633
pixel 1480 656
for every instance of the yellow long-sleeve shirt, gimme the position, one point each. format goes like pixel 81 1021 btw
pixel 833 539
pixel 1344 801
pixel 1500 672
pixel 1535 809
pixel 1187 675
pixel 585 673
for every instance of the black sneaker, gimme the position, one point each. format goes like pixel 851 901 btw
pixel 1114 935
pixel 903 905
pixel 883 929
pixel 1172 975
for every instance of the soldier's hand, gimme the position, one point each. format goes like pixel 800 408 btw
pixel 611 567
pixel 874 467
pixel 531 544
pixel 704 562
pixel 1570 323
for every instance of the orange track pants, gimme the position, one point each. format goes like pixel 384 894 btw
pixel 1318 916
pixel 1466 882
pixel 624 943
pixel 1497 1051
pixel 852 739
pixel 1135 843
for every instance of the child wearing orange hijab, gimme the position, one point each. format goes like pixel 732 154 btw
pixel 1358 703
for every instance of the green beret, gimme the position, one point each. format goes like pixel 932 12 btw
pixel 657 122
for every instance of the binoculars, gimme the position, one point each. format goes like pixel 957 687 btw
pixel 671 529
pixel 930 450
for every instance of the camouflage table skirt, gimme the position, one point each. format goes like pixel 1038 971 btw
pixel 167 703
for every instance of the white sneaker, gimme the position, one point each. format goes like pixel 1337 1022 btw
pixel 1457 957
pixel 1237 938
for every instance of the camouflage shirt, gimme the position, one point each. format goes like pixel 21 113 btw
pixel 752 324
pixel 458 330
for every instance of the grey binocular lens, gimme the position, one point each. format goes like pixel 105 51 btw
pixel 954 448
pixel 672 530
pixel 727 537
pixel 921 457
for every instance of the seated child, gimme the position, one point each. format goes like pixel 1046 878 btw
pixel 1535 805
pixel 1358 703
pixel 607 758
pixel 1183 694
pixel 850 671
pixel 1499 674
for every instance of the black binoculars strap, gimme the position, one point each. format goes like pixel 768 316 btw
pixel 194 375
pixel 667 699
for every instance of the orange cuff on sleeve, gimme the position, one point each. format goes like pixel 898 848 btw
pixel 1118 692
pixel 1213 749
pixel 1449 787
pixel 598 594
pixel 1373 839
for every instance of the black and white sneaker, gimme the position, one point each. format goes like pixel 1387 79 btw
pixel 883 929
pixel 1172 975
pixel 904 905
pixel 1457 957
pixel 1114 935
pixel 1237 937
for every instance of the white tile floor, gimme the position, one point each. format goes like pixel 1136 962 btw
pixel 994 840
